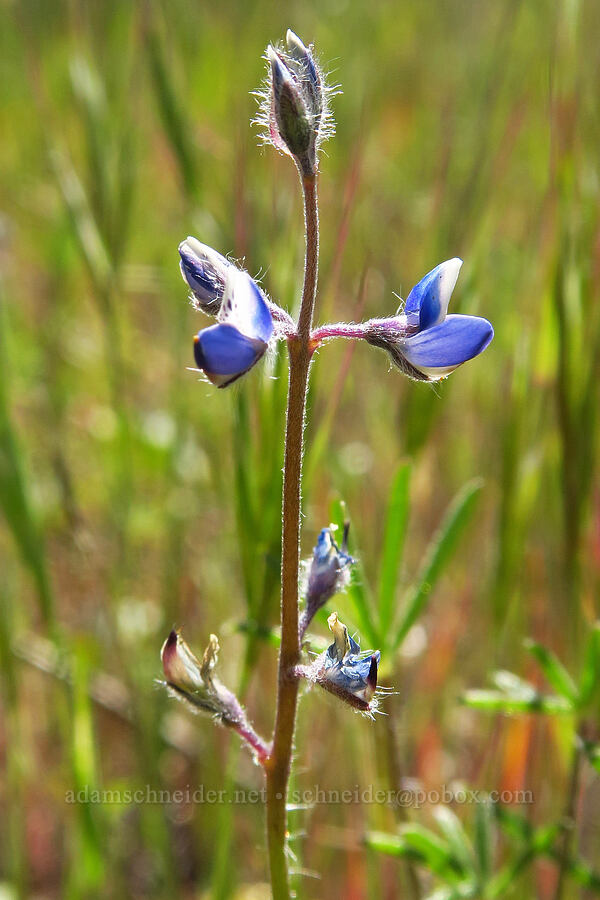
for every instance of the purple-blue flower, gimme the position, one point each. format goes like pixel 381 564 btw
pixel 205 272
pixel 327 573
pixel 343 670
pixel 230 348
pixel 425 342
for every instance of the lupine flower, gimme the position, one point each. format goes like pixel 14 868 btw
pixel 229 349
pixel 425 342
pixel 346 672
pixel 294 109
pixel 328 573
pixel 205 271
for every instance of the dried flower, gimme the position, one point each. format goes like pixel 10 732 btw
pixel 195 683
pixel 344 671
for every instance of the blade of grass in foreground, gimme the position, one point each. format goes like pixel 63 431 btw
pixel 437 556
pixel 393 543
pixel 14 493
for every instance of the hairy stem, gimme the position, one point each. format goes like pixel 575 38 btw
pixel 569 819
pixel 300 352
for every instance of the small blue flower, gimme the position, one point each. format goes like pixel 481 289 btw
pixel 329 570
pixel 229 349
pixel 345 671
pixel 328 573
pixel 205 271
pixel 425 342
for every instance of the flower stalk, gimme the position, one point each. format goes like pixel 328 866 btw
pixel 300 354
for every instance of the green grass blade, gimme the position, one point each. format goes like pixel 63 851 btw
pixel 393 543
pixel 83 224
pixel 171 113
pixel 556 674
pixel 497 701
pixel 454 833
pixel 14 494
pixel 590 675
pixel 437 556
pixel 484 839
pixel 358 590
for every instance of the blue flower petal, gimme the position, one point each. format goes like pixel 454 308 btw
pixel 356 675
pixel 224 353
pixel 428 301
pixel 245 307
pixel 205 271
pixel 439 350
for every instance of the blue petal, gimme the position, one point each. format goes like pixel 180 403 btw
pixel 446 346
pixel 245 307
pixel 428 300
pixel 324 546
pixel 203 269
pixel 357 675
pixel 224 353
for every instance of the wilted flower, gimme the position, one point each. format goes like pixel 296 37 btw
pixel 205 271
pixel 227 350
pixel 294 110
pixel 195 683
pixel 328 573
pixel 425 342
pixel 344 671
pixel 189 677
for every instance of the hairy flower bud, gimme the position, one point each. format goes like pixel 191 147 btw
pixel 294 109
pixel 328 573
pixel 205 272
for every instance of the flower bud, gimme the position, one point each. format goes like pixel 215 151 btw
pixel 194 683
pixel 190 678
pixel 289 107
pixel 294 110
pixel 328 573
pixel 205 272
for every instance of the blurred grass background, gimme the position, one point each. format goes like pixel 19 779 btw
pixel 135 498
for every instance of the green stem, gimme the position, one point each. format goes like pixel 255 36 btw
pixel 569 819
pixel 300 352
pixel 394 768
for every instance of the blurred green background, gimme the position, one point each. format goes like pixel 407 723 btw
pixel 135 498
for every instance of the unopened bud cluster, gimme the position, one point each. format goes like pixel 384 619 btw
pixel 294 108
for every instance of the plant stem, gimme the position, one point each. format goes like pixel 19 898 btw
pixel 569 818
pixel 300 353
pixel 394 768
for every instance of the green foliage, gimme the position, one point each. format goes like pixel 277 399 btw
pixel 390 629
pixel 131 501
pixel 489 861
